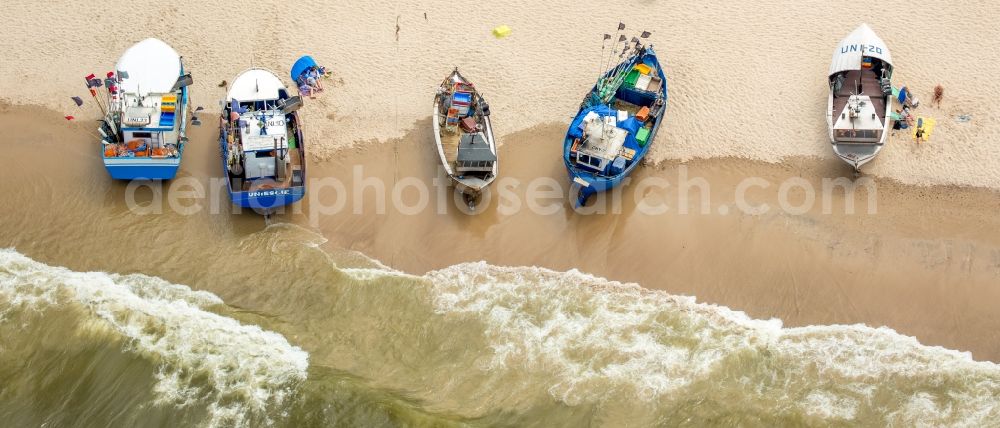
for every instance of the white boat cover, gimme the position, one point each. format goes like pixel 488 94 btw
pixel 861 42
pixel 255 84
pixel 152 66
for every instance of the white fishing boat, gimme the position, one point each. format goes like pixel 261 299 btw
pixel 464 136
pixel 143 131
pixel 860 102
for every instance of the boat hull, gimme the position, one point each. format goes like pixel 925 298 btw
pixel 142 168
pixel 471 187
pixel 263 200
pixel 586 183
pixel 147 168
pixel 267 199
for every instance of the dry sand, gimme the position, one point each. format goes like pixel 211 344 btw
pixel 747 79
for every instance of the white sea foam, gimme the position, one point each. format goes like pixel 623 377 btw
pixel 602 338
pixel 247 369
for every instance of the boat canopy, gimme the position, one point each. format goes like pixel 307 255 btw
pixel 255 84
pixel 862 42
pixel 301 65
pixel 152 67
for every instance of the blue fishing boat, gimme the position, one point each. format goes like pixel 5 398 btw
pixel 617 121
pixel 145 107
pixel 263 153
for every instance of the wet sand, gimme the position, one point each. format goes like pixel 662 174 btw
pixel 927 264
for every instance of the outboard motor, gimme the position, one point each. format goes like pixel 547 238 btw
pixel 486 107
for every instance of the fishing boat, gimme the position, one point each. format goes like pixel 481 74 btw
pixel 860 101
pixel 145 110
pixel 617 121
pixel 263 153
pixel 464 136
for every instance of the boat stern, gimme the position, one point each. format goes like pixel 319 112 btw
pixel 856 154
pixel 142 168
pixel 268 199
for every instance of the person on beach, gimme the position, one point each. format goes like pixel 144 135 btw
pixel 919 134
pixel 312 78
pixel 907 116
pixel 938 95
pixel 897 121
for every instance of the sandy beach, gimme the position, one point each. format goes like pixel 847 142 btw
pixel 746 80
pixel 870 302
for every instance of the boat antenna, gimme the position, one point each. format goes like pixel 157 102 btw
pixel 604 43
pixel 618 36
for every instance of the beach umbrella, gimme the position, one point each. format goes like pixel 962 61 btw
pixel 200 108
pixel 78 101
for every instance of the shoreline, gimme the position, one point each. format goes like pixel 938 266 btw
pixel 925 265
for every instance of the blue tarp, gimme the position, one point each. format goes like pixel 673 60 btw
pixel 301 65
pixel 631 124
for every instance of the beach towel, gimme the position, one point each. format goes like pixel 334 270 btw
pixel 927 123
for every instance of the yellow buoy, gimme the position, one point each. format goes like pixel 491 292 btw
pixel 501 31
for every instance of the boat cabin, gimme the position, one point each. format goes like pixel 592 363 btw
pixel 474 154
pixel 149 121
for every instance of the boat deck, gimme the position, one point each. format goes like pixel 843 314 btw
pixel 869 85
pixel 294 161
pixel 449 142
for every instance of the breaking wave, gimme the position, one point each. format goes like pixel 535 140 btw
pixel 596 341
pixel 235 372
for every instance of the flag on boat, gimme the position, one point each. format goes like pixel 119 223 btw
pixel 69 117
pixel 122 75
pixel 607 37
pixel 621 26
pixel 90 80
pixel 78 101
pixel 645 34
pixel 235 107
